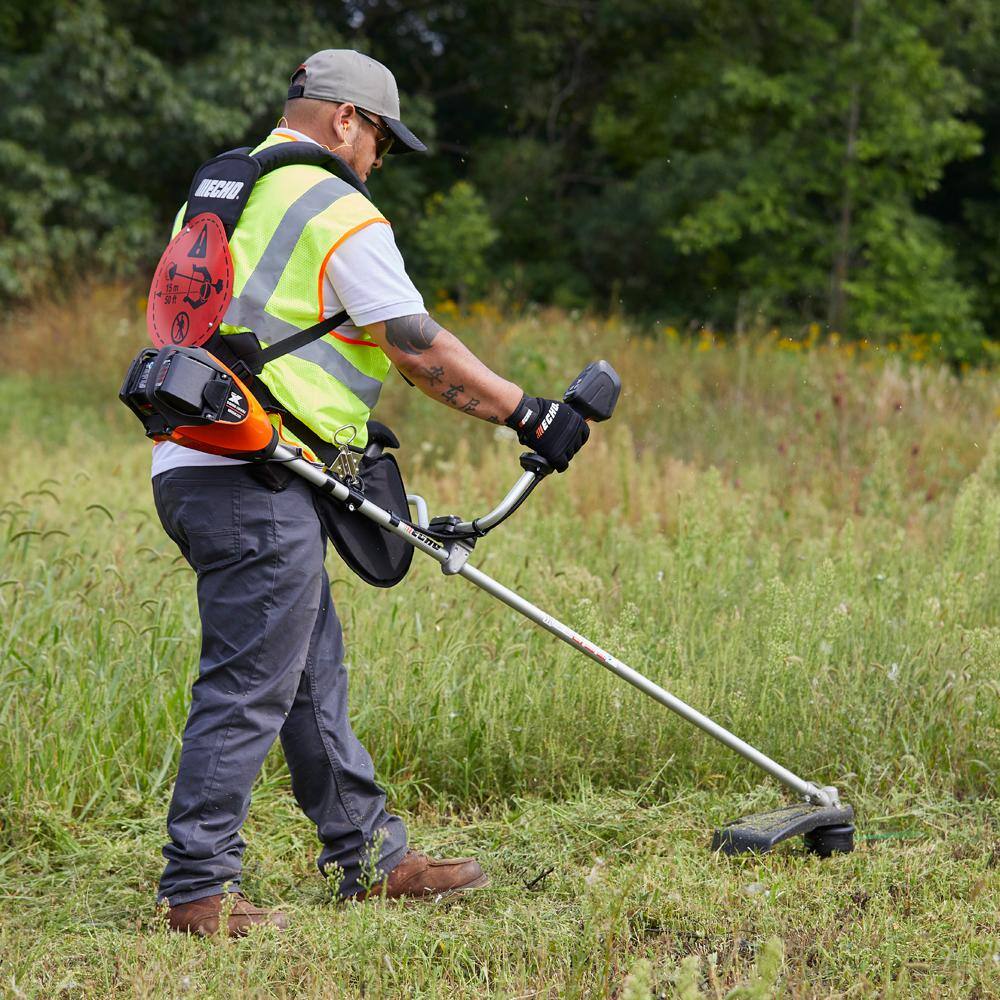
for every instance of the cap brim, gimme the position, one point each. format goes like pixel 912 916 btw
pixel 406 141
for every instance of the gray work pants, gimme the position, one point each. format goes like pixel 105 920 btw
pixel 272 663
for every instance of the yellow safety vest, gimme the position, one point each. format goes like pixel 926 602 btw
pixel 295 218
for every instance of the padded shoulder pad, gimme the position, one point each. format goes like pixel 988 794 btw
pixel 222 186
pixel 287 154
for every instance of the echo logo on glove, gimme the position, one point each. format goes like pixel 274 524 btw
pixel 547 420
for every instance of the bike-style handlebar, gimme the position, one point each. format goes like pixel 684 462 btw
pixel 593 394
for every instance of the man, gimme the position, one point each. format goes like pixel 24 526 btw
pixel 307 246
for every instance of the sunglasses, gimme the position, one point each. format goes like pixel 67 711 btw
pixel 384 139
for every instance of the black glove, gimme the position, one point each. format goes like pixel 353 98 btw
pixel 552 429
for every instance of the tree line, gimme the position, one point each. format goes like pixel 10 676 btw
pixel 730 163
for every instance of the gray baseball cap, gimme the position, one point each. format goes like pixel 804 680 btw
pixel 343 75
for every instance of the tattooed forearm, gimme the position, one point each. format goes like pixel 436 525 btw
pixel 411 334
pixel 443 368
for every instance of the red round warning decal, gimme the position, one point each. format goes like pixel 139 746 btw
pixel 192 286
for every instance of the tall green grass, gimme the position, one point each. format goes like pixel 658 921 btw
pixel 804 546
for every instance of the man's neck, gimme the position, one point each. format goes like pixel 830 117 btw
pixel 346 171
pixel 294 133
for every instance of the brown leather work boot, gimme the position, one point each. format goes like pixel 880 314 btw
pixel 419 877
pixel 201 916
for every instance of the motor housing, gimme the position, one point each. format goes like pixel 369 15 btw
pixel 186 395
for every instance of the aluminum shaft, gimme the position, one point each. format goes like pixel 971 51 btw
pixel 807 789
pixel 811 792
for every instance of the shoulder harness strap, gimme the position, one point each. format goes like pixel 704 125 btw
pixel 223 184
pixel 222 187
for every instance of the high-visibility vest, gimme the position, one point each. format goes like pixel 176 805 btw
pixel 295 218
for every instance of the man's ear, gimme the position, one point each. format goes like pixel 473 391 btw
pixel 345 122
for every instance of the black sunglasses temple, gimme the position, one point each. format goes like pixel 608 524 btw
pixel 385 138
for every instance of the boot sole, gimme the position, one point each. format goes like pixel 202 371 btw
pixel 479 882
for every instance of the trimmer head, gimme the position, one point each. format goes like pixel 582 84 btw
pixel 827 830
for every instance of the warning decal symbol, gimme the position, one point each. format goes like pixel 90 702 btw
pixel 180 328
pixel 186 300
pixel 200 247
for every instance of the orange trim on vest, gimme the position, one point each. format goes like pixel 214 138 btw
pixel 326 260
pixel 322 274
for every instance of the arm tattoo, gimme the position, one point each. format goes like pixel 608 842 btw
pixel 411 334
pixel 470 406
pixel 433 375
pixel 451 395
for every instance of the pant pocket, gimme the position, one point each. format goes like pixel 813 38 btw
pixel 214 549
pixel 206 517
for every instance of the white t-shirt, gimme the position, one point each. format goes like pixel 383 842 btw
pixel 367 277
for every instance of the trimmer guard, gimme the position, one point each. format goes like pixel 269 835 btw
pixel 759 832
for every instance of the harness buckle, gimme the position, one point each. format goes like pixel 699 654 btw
pixel 242 371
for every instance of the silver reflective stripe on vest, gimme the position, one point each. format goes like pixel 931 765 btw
pixel 248 310
pixel 261 284
pixel 272 330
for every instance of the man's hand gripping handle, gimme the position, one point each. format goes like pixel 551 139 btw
pixel 556 431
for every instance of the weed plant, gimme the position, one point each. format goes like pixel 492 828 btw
pixel 801 544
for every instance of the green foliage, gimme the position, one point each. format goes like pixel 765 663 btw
pixel 638 983
pixel 107 116
pixel 712 162
pixel 450 243
pixel 686 979
pixel 762 984
pixel 787 164
pixel 72 98
pixel 908 278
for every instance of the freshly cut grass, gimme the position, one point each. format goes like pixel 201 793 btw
pixel 583 890
pixel 804 546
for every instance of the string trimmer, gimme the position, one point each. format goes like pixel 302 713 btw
pixel 185 394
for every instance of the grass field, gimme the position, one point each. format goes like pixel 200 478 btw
pixel 802 543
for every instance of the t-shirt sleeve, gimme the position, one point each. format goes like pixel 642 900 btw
pixel 368 277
